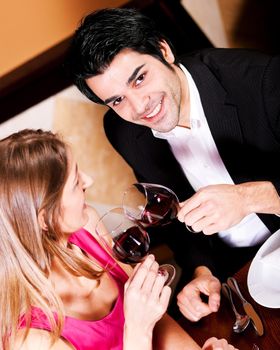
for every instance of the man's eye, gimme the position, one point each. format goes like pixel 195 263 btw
pixel 140 79
pixel 117 101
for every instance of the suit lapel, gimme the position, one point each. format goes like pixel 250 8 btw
pixel 222 117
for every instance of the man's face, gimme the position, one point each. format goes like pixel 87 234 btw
pixel 142 90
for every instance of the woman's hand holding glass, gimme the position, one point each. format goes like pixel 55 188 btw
pixel 146 298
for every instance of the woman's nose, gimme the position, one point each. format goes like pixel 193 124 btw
pixel 86 179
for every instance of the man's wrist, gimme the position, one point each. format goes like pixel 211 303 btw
pixel 259 197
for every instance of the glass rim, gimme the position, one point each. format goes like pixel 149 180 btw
pixel 144 184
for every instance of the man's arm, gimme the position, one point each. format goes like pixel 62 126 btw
pixel 216 208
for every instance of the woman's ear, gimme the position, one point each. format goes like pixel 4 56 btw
pixel 41 220
pixel 167 52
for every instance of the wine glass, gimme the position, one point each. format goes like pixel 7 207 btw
pixel 127 241
pixel 151 204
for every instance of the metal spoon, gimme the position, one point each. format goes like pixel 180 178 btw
pixel 242 321
pixel 255 318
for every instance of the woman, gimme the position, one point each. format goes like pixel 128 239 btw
pixel 59 289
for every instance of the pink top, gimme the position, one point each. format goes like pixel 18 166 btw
pixel 106 333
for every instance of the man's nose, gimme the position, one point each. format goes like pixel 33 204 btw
pixel 139 104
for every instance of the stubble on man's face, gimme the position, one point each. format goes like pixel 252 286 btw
pixel 172 115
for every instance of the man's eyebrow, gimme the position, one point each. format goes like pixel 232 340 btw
pixel 134 74
pixel 110 99
pixel 129 80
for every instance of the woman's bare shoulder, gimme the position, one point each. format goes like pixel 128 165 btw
pixel 40 340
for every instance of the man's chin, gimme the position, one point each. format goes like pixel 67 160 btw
pixel 163 129
pixel 162 125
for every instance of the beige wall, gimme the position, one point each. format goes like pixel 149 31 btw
pixel 29 27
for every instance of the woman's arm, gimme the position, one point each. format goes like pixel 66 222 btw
pixel 169 335
pixel 145 301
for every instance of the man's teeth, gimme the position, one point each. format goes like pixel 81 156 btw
pixel 155 111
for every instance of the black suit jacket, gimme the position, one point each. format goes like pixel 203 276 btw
pixel 240 94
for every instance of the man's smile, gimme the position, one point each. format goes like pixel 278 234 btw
pixel 155 113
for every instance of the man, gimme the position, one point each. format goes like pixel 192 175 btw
pixel 206 125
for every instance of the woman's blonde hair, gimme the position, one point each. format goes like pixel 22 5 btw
pixel 33 172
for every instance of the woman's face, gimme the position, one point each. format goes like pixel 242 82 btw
pixel 73 207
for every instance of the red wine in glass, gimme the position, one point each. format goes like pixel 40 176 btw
pixel 160 210
pixel 150 204
pixel 131 246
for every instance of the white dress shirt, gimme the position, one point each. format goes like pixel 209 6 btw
pixel 196 152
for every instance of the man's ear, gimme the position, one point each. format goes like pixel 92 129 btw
pixel 41 220
pixel 167 52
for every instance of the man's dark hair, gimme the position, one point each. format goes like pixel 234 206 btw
pixel 102 35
